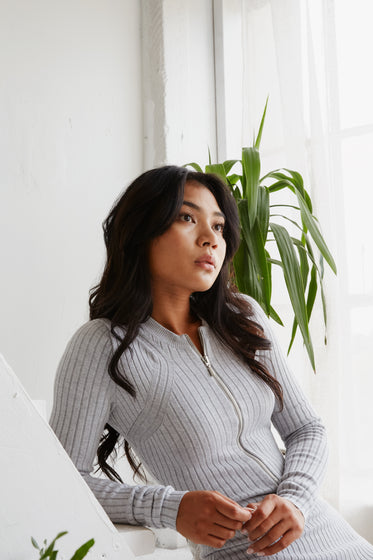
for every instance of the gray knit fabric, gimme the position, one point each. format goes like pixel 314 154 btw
pixel 198 428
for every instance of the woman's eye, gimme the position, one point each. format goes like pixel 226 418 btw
pixel 186 217
pixel 219 228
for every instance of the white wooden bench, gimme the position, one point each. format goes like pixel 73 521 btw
pixel 42 493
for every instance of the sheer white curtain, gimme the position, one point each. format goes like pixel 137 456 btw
pixel 308 56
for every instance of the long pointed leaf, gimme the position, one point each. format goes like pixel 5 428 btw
pixel 263 212
pixel 229 164
pixel 218 169
pixel 246 275
pixel 82 551
pixel 275 316
pixel 304 267
pixel 293 333
pixel 195 166
pixel 250 180
pixel 233 179
pixel 297 180
pixel 293 280
pixel 311 225
pixel 312 290
pixel 255 245
pixel 259 136
pixel 320 274
pixel 50 548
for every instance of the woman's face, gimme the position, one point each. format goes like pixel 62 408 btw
pixel 188 257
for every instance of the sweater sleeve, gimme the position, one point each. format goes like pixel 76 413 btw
pixel 83 398
pixel 299 427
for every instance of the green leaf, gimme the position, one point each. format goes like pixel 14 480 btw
pixel 195 166
pixel 246 276
pixel 218 169
pixel 311 225
pixel 293 280
pixel 83 550
pixel 236 193
pixel 276 262
pixel 312 291
pixel 293 333
pixel 275 317
pixel 50 548
pixel 296 180
pixel 34 543
pixel 233 180
pixel 250 180
pixel 295 224
pixel 255 245
pixel 304 266
pixel 263 212
pixel 259 136
pixel 279 185
pixel 276 174
pixel 229 164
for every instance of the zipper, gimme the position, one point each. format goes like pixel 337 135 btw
pixel 205 359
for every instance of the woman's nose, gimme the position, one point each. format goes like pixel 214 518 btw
pixel 208 238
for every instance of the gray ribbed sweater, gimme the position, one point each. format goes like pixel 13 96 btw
pixel 198 424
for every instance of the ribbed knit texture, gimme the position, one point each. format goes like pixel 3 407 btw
pixel 184 425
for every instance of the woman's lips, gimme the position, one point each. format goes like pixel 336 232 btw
pixel 206 262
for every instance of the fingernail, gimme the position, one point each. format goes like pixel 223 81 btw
pixel 244 532
pixel 260 554
pixel 250 550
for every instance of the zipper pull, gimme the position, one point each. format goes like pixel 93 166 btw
pixel 207 363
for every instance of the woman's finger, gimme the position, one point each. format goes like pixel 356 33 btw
pixel 275 534
pixel 265 526
pixel 224 521
pixel 230 509
pixel 281 544
pixel 262 511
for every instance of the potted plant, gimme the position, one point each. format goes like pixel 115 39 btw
pixel 48 551
pixel 266 242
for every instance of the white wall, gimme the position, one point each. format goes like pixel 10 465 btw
pixel 70 141
pixel 72 137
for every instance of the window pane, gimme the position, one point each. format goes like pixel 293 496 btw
pixel 357 397
pixel 355 45
pixel 357 155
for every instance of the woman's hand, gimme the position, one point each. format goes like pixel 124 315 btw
pixel 275 523
pixel 206 517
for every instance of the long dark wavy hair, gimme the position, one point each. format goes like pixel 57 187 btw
pixel 145 211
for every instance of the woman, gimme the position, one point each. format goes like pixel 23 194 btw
pixel 187 372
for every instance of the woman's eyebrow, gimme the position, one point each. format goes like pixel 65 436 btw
pixel 198 208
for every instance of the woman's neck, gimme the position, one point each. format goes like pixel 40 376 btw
pixel 174 314
pixel 175 320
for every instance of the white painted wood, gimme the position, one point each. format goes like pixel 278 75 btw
pixel 178 81
pixel 42 493
pixel 141 540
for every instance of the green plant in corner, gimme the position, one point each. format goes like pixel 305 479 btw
pixel 299 253
pixel 48 550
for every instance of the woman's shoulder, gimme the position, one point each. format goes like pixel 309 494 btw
pixel 94 327
pixel 93 335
